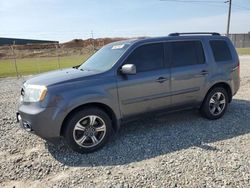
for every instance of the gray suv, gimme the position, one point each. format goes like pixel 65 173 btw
pixel 123 80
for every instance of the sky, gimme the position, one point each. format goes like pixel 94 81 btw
pixel 64 20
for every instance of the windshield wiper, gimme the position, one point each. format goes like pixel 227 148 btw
pixel 76 67
pixel 84 69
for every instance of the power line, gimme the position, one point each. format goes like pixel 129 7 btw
pixel 220 2
pixel 193 1
pixel 242 7
pixel 206 1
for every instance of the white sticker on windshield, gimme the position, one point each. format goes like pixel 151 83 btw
pixel 120 46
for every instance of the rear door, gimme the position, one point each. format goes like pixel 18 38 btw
pixel 189 71
pixel 149 88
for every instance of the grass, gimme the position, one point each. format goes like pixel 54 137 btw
pixel 243 51
pixel 29 66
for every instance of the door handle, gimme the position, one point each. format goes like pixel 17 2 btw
pixel 161 79
pixel 204 72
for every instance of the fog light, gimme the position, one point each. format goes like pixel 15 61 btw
pixel 19 118
pixel 27 126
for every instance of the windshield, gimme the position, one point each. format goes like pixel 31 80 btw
pixel 104 58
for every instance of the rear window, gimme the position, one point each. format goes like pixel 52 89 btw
pixel 186 53
pixel 220 50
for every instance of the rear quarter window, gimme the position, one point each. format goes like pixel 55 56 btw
pixel 220 50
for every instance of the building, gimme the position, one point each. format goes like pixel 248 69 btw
pixel 11 41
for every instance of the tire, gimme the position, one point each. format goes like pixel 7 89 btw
pixel 213 102
pixel 88 130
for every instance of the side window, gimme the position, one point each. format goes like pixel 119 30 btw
pixel 184 53
pixel 147 57
pixel 220 50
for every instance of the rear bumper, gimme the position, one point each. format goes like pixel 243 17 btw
pixel 235 83
pixel 44 122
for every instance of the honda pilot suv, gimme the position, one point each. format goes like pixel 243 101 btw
pixel 123 80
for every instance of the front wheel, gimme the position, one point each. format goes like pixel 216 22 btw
pixel 88 130
pixel 215 103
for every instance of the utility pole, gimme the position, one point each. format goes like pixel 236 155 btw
pixel 229 16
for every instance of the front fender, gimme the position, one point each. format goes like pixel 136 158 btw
pixel 68 100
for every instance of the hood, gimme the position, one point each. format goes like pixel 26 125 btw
pixel 59 76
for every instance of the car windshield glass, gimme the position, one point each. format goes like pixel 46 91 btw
pixel 104 58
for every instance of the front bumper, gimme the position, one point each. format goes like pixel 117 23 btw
pixel 44 122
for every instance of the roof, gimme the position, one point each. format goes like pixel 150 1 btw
pixel 198 35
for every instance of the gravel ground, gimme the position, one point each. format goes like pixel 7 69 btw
pixel 175 150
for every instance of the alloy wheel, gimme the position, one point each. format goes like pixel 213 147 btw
pixel 217 103
pixel 89 131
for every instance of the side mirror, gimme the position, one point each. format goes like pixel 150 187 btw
pixel 128 69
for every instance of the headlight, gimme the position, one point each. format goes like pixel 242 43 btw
pixel 34 93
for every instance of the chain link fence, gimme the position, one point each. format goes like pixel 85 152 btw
pixel 29 59
pixel 240 40
pixel 20 60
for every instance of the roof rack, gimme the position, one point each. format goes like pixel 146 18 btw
pixel 195 33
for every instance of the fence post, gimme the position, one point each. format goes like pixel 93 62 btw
pixel 14 55
pixel 235 42
pixel 38 66
pixel 244 38
pixel 58 56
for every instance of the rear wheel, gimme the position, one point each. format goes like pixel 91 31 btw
pixel 215 103
pixel 88 130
